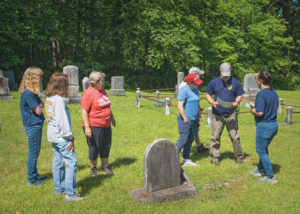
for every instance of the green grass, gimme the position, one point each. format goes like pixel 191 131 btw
pixel 136 128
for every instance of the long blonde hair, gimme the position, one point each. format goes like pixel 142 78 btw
pixel 31 80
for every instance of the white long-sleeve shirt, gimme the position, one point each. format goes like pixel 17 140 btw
pixel 58 119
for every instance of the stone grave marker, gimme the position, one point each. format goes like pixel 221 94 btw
pixel 250 86
pixel 117 86
pixel 13 86
pixel 72 72
pixel 180 77
pixel 164 180
pixel 85 83
pixel 4 89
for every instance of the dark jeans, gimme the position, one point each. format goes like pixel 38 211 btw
pixel 264 135
pixel 187 133
pixel 34 134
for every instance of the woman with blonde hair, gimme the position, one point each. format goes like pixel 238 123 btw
pixel 97 118
pixel 60 134
pixel 33 119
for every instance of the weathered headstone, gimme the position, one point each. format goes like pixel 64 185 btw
pixel 180 77
pixel 161 102
pixel 117 86
pixel 164 180
pixel 4 89
pixel 138 98
pixel 85 83
pixel 250 86
pixel 72 72
pixel 13 86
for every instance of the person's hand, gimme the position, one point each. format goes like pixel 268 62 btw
pixel 113 122
pixel 185 120
pixel 251 104
pixel 38 110
pixel 215 104
pixel 71 146
pixel 235 104
pixel 88 132
pixel 201 108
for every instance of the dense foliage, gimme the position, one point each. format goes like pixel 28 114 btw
pixel 149 41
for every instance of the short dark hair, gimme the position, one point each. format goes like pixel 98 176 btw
pixel 266 78
pixel 58 85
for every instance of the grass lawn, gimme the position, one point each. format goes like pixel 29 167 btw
pixel 136 128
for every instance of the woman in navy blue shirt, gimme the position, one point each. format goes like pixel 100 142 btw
pixel 265 112
pixel 33 119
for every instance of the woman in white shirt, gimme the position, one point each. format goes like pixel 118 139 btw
pixel 59 133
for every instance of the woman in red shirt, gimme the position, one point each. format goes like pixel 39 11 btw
pixel 96 122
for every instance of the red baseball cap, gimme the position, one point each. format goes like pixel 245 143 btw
pixel 193 78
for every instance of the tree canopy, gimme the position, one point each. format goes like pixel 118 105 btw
pixel 149 41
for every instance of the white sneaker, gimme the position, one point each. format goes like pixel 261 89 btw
pixel 188 162
pixel 73 198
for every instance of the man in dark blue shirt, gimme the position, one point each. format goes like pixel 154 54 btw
pixel 227 93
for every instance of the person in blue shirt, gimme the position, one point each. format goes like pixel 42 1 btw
pixel 33 119
pixel 226 89
pixel 189 116
pixel 265 112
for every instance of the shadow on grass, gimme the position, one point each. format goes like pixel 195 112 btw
pixel 275 167
pixel 88 183
pixel 224 155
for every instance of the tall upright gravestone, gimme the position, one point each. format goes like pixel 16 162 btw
pixel 4 89
pixel 180 77
pixel 117 86
pixel 72 72
pixel 250 86
pixel 13 86
pixel 164 180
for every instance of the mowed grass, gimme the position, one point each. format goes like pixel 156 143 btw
pixel 136 129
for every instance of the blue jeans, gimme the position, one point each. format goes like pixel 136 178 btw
pixel 64 178
pixel 187 133
pixel 34 135
pixel 264 135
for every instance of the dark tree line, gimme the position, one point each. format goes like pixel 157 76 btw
pixel 149 41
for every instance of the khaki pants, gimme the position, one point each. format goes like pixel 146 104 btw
pixel 231 123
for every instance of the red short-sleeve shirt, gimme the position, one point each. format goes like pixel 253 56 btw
pixel 97 105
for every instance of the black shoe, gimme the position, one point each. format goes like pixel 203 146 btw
pixel 41 177
pixel 202 149
pixel 239 161
pixel 107 170
pixel 93 171
pixel 216 162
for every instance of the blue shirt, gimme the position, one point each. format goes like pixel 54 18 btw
pixel 226 91
pixel 191 101
pixel 28 101
pixel 266 102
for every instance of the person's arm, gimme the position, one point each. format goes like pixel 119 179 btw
pixel 113 121
pixel 38 110
pixel 86 123
pixel 64 122
pixel 253 110
pixel 238 99
pixel 211 101
pixel 199 114
pixel 181 110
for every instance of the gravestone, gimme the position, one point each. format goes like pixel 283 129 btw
pixel 85 83
pixel 4 89
pixel 164 180
pixel 13 86
pixel 117 86
pixel 72 72
pixel 180 77
pixel 250 86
